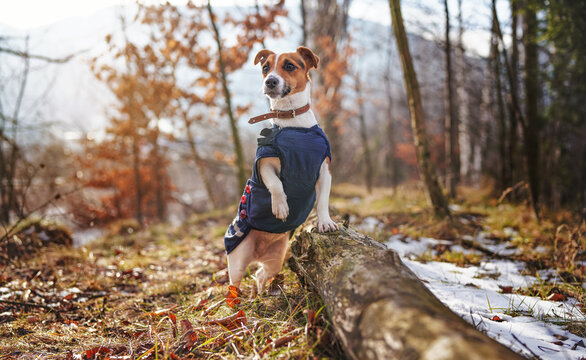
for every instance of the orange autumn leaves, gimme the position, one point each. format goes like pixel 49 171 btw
pixel 195 331
pixel 171 75
pixel 232 298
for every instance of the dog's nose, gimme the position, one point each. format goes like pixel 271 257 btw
pixel 271 82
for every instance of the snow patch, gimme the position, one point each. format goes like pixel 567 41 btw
pixel 370 224
pixel 474 293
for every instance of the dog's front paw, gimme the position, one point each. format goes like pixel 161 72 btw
pixel 326 225
pixel 280 207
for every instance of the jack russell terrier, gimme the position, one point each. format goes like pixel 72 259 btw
pixel 291 171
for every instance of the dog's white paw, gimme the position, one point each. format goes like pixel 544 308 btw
pixel 326 225
pixel 280 207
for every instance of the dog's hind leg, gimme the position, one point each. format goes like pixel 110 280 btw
pixel 240 258
pixel 271 261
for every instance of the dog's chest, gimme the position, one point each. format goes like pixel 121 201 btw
pixel 301 151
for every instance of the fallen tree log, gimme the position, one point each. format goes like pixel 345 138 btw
pixel 379 308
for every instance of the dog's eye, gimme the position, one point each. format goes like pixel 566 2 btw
pixel 289 67
pixel 265 69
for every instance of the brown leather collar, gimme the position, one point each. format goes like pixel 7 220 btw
pixel 279 114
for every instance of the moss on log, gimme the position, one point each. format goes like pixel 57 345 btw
pixel 379 308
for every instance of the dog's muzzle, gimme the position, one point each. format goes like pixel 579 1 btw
pixel 273 87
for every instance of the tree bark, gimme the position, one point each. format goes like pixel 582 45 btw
pixel 303 23
pixel 464 130
pixel 503 182
pixel 228 98
pixel 368 173
pixel 531 104
pixel 433 190
pixel 390 161
pixel 451 116
pixel 513 160
pixel 379 309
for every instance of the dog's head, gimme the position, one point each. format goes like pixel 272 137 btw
pixel 287 73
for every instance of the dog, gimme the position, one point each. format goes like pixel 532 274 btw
pixel 291 171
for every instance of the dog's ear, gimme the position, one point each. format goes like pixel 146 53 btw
pixel 310 58
pixel 262 56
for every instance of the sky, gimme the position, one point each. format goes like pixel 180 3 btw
pixel 28 14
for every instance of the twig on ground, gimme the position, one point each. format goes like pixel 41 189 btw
pixel 19 303
pixel 535 356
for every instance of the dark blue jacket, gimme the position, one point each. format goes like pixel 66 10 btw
pixel 301 151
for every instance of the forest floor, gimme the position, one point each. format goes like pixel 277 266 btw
pixel 162 292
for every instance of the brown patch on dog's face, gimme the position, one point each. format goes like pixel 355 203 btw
pixel 286 73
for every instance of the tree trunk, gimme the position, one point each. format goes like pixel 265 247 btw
pixel 8 165
pixel 391 163
pixel 368 173
pixel 464 131
pixel 503 181
pixel 199 163
pixel 451 116
pixel 486 112
pixel 513 141
pixel 433 190
pixel 514 95
pixel 159 177
pixel 134 117
pixel 303 23
pixel 324 24
pixel 137 182
pixel 530 125
pixel 379 308
pixel 241 175
pixel 531 104
pixel 4 208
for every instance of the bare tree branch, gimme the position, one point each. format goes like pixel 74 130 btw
pixel 27 55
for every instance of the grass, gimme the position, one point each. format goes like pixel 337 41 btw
pixel 458 258
pixel 150 295
pixel 556 242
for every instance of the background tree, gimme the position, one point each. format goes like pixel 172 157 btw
pixel 17 168
pixel 144 91
pixel 241 173
pixel 532 125
pixel 367 162
pixel 212 68
pixel 390 161
pixel 451 138
pixel 463 103
pixel 178 77
pixel 513 173
pixel 426 167
pixel 174 33
pixel 564 148
pixel 234 57
pixel 324 25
